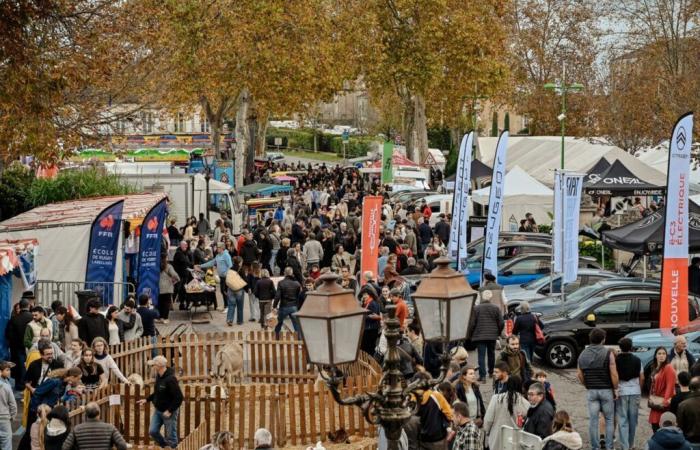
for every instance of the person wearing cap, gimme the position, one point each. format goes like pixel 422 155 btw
pixel 14 334
pixel 166 398
pixel 669 436
pixel 442 229
pixel 396 296
pixel 8 406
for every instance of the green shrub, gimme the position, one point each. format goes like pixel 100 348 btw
pixel 14 190
pixel 74 184
pixel 588 247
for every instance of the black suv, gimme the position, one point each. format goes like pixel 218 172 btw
pixel 618 312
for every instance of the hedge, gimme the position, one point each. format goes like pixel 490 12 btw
pixel 304 140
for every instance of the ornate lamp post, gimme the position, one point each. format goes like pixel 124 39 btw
pixel 208 158
pixel 332 330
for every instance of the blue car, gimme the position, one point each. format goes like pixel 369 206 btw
pixel 521 269
pixel 645 342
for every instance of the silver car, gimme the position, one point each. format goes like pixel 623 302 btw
pixel 540 288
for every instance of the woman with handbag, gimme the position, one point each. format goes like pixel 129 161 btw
pixel 663 387
pixel 525 327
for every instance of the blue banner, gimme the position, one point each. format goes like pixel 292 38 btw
pixel 102 252
pixel 149 251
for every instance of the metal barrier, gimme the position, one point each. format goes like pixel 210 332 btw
pixel 47 291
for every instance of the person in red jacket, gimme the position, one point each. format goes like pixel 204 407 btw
pixel 663 384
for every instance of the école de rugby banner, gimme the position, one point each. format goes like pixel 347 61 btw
pixel 102 252
pixel 371 218
pixel 460 202
pixel 674 273
pixel 493 223
pixel 149 252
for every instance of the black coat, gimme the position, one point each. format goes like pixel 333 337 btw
pixel 16 328
pixel 442 229
pixel 249 252
pixel 524 327
pixel 288 291
pixel 486 323
pixel 461 395
pixel 91 326
pixel 281 258
pixel 181 262
pixel 264 289
pixel 166 395
pixel 294 263
pixel 539 419
pixel 33 372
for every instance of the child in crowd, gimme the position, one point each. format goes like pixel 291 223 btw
pixel 541 376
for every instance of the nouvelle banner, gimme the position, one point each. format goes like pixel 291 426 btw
pixel 102 252
pixel 371 217
pixel 493 224
pixel 674 273
pixel 460 203
pixel 149 251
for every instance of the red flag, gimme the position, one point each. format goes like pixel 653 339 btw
pixel 371 217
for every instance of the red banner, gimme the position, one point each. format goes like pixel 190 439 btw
pixel 371 217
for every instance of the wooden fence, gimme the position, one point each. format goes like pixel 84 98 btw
pixel 269 360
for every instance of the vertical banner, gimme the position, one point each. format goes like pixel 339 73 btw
pixel 387 164
pixel 458 228
pixel 557 241
pixel 493 224
pixel 674 272
pixel 102 252
pixel 571 205
pixel 149 252
pixel 371 217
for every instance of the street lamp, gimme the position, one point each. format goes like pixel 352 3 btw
pixel 208 158
pixel 561 88
pixel 331 330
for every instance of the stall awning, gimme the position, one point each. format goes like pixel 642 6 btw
pixel 285 179
pixel 619 181
pixel 263 189
pixel 81 211
pixel 594 173
pixel 10 251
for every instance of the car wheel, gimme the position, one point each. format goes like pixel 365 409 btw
pixel 561 354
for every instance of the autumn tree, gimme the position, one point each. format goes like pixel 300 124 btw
pixel 62 63
pixel 654 69
pixel 430 54
pixel 247 59
pixel 546 36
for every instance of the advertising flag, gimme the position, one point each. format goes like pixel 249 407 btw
pixel 387 167
pixel 102 252
pixel 557 241
pixel 458 227
pixel 571 205
pixel 674 273
pixel 149 251
pixel 493 223
pixel 371 218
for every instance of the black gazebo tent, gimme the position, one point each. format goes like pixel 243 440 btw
pixel 478 170
pixel 619 181
pixel 647 234
pixel 596 171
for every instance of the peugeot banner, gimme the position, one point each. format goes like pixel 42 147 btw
pixel 102 252
pixel 149 252
pixel 460 203
pixel 493 223
pixel 674 273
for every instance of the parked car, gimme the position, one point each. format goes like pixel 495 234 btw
pixel 645 342
pixel 476 247
pixel 540 288
pixel 619 313
pixel 522 269
pixel 409 196
pixel 274 156
pixel 555 304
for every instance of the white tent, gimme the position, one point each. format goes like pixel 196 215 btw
pixel 540 155
pixel 522 194
pixel 657 158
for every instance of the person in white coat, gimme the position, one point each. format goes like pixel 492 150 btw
pixel 509 408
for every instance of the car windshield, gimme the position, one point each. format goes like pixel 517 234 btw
pixel 576 310
pixel 537 283
pixel 580 295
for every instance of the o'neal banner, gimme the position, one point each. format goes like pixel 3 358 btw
pixel 674 273
pixel 371 218
pixel 493 224
pixel 102 252
pixel 149 252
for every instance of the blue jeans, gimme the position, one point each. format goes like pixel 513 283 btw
pixel 5 434
pixel 486 349
pixel 234 300
pixel 601 400
pixel 170 424
pixel 283 313
pixel 627 407
pixel 529 350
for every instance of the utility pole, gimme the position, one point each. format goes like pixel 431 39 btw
pixel 561 88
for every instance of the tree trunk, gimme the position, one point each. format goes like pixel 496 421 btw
pixel 408 122
pixel 216 117
pixel 242 137
pixel 420 124
pixel 261 139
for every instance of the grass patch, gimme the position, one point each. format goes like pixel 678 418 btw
pixel 320 156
